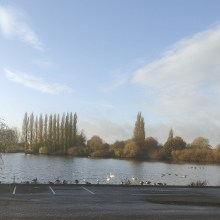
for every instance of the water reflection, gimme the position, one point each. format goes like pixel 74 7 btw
pixel 49 168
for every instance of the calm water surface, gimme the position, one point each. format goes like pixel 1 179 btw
pixel 27 167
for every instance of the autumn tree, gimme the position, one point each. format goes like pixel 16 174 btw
pixel 131 150
pixel 25 130
pixel 170 134
pixel 174 144
pixel 94 144
pixel 201 142
pixel 71 130
pixel 117 148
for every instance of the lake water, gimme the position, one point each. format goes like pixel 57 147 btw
pixel 22 167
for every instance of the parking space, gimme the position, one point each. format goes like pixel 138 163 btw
pixel 32 190
pixel 7 188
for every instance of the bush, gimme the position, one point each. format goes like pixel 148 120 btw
pixel 198 183
pixel 158 154
pixel 76 151
pixel 43 150
pixel 196 154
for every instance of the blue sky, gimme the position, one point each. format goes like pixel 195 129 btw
pixel 108 60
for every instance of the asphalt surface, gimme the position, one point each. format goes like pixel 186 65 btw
pixel 108 202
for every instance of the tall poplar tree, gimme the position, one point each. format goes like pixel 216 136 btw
pixel 45 130
pixel 74 129
pixel 40 134
pixel 170 134
pixel 50 133
pixel 54 132
pixel 25 129
pixel 139 130
pixel 71 130
pixel 62 132
pixel 36 131
pixel 58 132
pixel 31 130
pixel 66 132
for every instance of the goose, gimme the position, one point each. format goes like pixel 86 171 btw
pixel 111 176
pixel 76 182
pixel 142 182
pixel 148 182
pixel 121 183
pixel 34 180
pixel 64 182
pixel 128 182
pixel 57 181
pixel 184 176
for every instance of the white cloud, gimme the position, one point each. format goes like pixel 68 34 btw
pixel 36 83
pixel 12 24
pixel 178 83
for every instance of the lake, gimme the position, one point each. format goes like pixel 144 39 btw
pixel 25 167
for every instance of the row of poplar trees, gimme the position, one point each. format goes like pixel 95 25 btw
pixel 52 132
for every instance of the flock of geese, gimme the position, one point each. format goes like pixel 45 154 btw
pixel 109 177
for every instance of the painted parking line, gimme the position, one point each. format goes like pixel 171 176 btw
pixel 156 194
pixel 87 190
pixel 14 190
pixel 52 190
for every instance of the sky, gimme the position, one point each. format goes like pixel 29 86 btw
pixel 108 60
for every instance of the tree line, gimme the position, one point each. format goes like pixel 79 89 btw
pixel 55 135
pixel 51 134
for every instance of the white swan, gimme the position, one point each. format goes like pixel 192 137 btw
pixel 108 178
pixel 111 176
pixel 133 178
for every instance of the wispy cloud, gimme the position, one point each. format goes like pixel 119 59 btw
pixel 179 80
pixel 36 83
pixel 12 24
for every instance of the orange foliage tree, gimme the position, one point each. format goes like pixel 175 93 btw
pixel 174 144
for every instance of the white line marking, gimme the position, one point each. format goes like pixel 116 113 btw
pixel 87 190
pixel 156 194
pixel 14 190
pixel 52 190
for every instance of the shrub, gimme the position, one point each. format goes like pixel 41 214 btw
pixel 76 151
pixel 158 154
pixel 195 154
pixel 198 183
pixel 43 150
